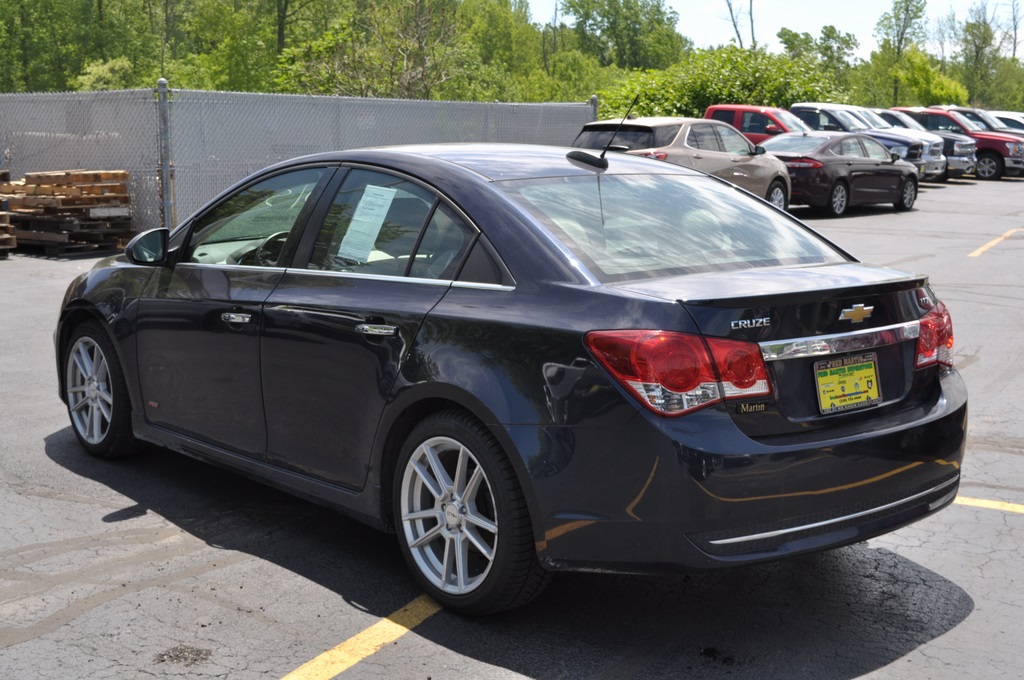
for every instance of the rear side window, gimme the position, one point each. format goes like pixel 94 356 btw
pixel 703 137
pixel 645 226
pixel 724 116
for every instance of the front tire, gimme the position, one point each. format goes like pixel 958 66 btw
pixel 908 195
pixel 838 200
pixel 990 166
pixel 96 394
pixel 463 525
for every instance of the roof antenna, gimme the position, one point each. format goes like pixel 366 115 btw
pixel 600 161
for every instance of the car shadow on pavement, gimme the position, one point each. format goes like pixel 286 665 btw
pixel 835 615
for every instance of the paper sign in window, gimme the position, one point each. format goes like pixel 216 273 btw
pixel 366 223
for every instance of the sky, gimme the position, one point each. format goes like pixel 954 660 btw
pixel 706 22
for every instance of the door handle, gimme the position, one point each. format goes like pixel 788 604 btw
pixel 236 317
pixel 377 329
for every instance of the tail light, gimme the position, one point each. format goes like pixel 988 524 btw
pixel 659 154
pixel 675 373
pixel 804 163
pixel 935 343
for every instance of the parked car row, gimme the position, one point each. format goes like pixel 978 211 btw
pixel 868 156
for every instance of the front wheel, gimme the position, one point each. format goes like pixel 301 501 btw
pixel 777 195
pixel 96 394
pixel 990 166
pixel 908 195
pixel 463 524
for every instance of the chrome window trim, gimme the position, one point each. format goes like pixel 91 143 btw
pixel 474 285
pixel 238 267
pixel 371 277
pixel 823 345
pixel 836 520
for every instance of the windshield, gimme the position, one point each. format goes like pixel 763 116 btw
pixel 965 122
pixel 873 119
pixel 991 121
pixel 792 123
pixel 625 227
pixel 849 121
pixel 903 120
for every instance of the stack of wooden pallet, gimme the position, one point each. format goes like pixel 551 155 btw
pixel 7 238
pixel 70 211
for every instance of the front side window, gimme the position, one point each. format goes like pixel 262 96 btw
pixel 251 227
pixel 646 226
pixel 754 121
pixel 733 142
pixel 876 150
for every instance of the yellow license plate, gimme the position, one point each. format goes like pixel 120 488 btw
pixel 847 383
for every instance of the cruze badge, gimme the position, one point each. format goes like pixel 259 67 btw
pixel 856 314
pixel 740 324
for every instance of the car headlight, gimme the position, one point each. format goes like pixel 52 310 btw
pixel 901 150
pixel 962 149
pixel 1015 149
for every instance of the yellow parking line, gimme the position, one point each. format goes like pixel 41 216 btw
pixel 994 242
pixel 365 644
pixel 990 505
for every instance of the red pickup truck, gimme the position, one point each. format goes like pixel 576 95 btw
pixel 757 123
pixel 998 153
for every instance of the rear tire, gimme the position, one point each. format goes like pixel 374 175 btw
pixel 463 525
pixel 838 200
pixel 96 394
pixel 990 166
pixel 908 195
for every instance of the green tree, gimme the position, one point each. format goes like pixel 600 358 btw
pixel 834 50
pixel 630 34
pixel 722 74
pixel 900 28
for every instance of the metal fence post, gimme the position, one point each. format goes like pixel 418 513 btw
pixel 593 106
pixel 166 197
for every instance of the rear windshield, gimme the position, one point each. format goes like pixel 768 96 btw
pixel 793 143
pixel 625 227
pixel 631 137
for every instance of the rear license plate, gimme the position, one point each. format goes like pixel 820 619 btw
pixel 847 383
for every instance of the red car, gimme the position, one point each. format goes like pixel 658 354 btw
pixel 757 123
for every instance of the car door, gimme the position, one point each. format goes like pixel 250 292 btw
pixel 702 150
pixel 854 166
pixel 888 176
pixel 339 327
pixel 199 325
pixel 751 171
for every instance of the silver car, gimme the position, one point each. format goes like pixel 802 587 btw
pixel 710 146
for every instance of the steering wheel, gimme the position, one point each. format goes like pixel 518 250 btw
pixel 268 253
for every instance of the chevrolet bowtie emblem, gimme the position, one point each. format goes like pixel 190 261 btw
pixel 856 314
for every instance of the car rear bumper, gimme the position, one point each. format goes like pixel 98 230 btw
pixel 676 504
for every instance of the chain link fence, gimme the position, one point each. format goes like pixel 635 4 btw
pixel 217 138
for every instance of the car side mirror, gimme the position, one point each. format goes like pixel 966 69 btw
pixel 772 129
pixel 759 150
pixel 894 156
pixel 149 247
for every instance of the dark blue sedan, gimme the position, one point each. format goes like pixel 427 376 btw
pixel 524 360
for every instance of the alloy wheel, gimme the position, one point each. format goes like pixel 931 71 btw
pixel 90 394
pixel 448 515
